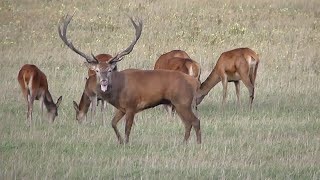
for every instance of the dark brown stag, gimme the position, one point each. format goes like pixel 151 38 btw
pixel 233 66
pixel 132 91
pixel 34 86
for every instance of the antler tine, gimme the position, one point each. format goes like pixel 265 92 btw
pixel 138 28
pixel 63 36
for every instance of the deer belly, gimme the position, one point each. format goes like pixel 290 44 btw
pixel 146 105
pixel 234 77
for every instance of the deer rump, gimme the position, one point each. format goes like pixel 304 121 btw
pixel 143 89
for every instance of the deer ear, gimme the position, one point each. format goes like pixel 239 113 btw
pixel 75 105
pixel 59 101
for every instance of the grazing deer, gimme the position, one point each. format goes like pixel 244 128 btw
pixel 173 53
pixel 34 86
pixel 178 60
pixel 132 91
pixel 89 95
pixel 233 66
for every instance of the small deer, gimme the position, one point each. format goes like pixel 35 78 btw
pixel 178 60
pixel 233 66
pixel 34 86
pixel 132 90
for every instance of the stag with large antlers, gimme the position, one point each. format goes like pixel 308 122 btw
pixel 233 66
pixel 132 91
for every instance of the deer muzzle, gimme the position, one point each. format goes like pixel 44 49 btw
pixel 104 85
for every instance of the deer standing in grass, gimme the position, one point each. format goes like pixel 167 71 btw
pixel 233 66
pixel 89 95
pixel 178 60
pixel 132 91
pixel 34 86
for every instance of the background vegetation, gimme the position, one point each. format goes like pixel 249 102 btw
pixel 278 140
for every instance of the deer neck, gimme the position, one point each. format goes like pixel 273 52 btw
pixel 208 84
pixel 47 100
pixel 84 103
pixel 116 86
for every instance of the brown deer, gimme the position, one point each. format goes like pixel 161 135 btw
pixel 89 95
pixel 178 60
pixel 132 91
pixel 233 66
pixel 173 53
pixel 34 86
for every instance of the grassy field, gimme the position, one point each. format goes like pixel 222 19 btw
pixel 279 139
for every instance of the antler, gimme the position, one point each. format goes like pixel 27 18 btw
pixel 138 28
pixel 63 35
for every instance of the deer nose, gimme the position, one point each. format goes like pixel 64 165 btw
pixel 104 82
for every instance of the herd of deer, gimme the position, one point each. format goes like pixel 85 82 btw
pixel 174 82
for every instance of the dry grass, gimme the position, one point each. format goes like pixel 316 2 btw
pixel 278 140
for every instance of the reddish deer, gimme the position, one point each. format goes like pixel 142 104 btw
pixel 89 95
pixel 233 66
pixel 132 91
pixel 178 60
pixel 173 53
pixel 34 86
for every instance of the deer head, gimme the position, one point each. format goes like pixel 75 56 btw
pixel 103 70
pixel 53 109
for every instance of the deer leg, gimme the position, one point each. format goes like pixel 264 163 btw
pixel 224 81
pixel 246 81
pixel 189 120
pixel 194 107
pixel 187 127
pixel 103 108
pixel 93 107
pixel 253 73
pixel 196 126
pixel 119 114
pixel 41 106
pixel 129 122
pixel 30 108
pixel 237 85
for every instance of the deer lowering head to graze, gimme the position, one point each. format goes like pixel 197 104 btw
pixel 89 95
pixel 132 91
pixel 233 66
pixel 178 60
pixel 34 86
